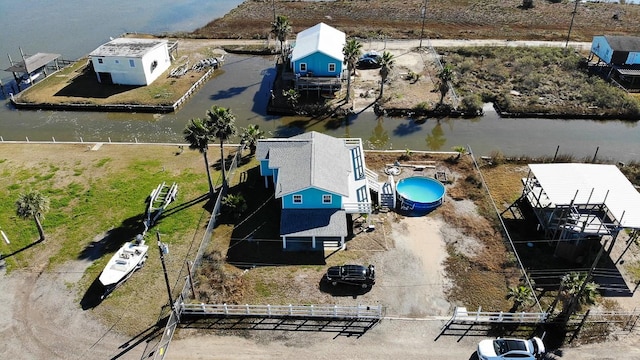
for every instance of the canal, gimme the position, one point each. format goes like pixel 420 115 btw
pixel 244 87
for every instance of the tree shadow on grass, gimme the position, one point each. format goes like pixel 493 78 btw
pixel 113 239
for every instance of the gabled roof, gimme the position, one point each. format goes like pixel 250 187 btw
pixel 590 184
pixel 309 160
pixel 319 38
pixel 623 43
pixel 127 47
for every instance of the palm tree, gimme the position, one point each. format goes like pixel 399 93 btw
pixel 461 150
pixel 521 295
pixel 445 75
pixel 281 28
pixel 250 136
pixel 387 62
pixel 33 204
pixel 292 96
pixel 198 135
pixel 576 291
pixel 351 51
pixel 236 204
pixel 221 123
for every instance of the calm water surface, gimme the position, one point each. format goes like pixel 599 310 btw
pixel 74 28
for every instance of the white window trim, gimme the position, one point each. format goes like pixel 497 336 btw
pixel 303 66
pixel 132 63
pixel 327 196
pixel 293 199
pixel 334 67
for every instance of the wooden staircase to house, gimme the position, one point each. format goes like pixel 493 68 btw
pixel 386 190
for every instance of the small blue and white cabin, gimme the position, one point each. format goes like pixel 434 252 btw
pixel 128 61
pixel 617 50
pixel 319 180
pixel 318 52
pixel 622 55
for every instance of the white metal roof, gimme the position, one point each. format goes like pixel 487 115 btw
pixel 128 47
pixel 322 38
pixel 591 184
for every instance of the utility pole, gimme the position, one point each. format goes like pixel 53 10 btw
pixel 573 15
pixel 273 5
pixel 164 250
pixel 424 13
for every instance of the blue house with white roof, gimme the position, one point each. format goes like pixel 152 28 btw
pixel 320 180
pixel 318 52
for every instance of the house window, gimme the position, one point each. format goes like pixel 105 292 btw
pixel 99 61
pixel 132 63
pixel 326 199
pixel 297 199
pixel 332 67
pixel 303 67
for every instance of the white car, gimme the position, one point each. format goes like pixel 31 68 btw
pixel 505 349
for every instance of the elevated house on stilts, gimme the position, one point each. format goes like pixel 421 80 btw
pixel 581 207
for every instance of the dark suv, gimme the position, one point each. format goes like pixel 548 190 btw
pixel 352 275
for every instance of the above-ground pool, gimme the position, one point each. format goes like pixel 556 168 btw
pixel 420 193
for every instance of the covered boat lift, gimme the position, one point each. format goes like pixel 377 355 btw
pixel 578 203
pixel 32 64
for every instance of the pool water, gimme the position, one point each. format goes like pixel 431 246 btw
pixel 420 193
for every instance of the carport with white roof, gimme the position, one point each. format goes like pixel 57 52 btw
pixel 576 202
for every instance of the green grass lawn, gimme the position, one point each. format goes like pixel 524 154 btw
pixel 98 202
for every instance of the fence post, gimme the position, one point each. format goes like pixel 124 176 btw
pixel 226 309
pixel 335 310
pixel 290 309
pixel 269 310
pixel 575 333
pixel 246 309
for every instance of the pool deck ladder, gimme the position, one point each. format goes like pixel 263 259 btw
pixel 160 198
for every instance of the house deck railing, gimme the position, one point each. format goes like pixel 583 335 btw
pixel 372 180
pixel 357 207
pixel 288 311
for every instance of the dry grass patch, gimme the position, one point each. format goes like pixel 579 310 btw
pixel 447 19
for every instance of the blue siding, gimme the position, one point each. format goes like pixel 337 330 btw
pixel 264 168
pixel 318 64
pixel 634 58
pixel 312 199
pixel 601 48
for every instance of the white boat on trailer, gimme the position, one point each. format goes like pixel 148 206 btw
pixel 129 258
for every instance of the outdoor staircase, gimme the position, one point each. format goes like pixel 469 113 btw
pixel 387 195
pixel 386 190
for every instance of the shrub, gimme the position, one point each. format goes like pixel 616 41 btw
pixel 471 104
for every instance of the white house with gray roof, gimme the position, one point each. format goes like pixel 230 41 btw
pixel 320 180
pixel 128 61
